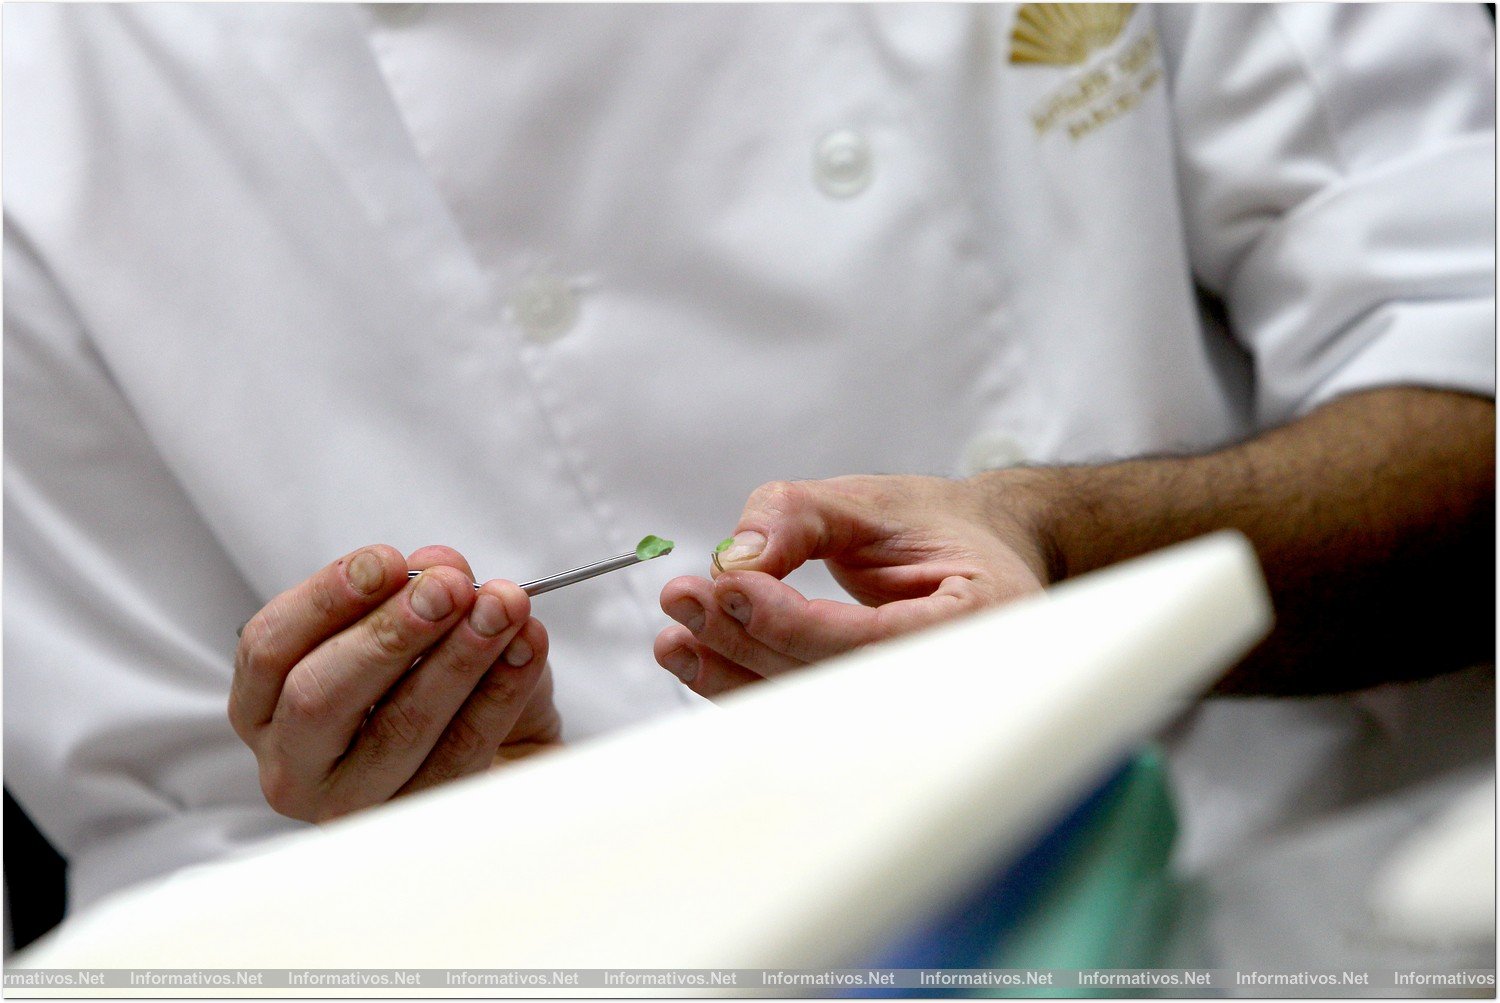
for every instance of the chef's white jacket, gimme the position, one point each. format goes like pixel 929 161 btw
pixel 281 281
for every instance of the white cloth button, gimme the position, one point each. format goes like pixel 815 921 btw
pixel 992 451
pixel 843 165
pixel 544 307
pixel 397 13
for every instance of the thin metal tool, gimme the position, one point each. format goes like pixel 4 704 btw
pixel 648 549
pixel 588 571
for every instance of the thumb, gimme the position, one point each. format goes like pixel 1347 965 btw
pixel 786 524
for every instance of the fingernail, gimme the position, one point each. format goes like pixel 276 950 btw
pixel 488 616
pixel 736 605
pixel 682 663
pixel 518 654
pixel 689 613
pixel 366 572
pixel 430 598
pixel 746 546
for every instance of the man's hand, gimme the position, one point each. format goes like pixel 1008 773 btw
pixel 1373 517
pixel 357 685
pixel 914 550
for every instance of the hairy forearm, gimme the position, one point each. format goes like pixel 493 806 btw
pixel 1373 518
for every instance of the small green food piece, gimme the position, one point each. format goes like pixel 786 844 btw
pixel 653 546
pixel 724 545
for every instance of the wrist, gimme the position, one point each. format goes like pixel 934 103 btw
pixel 1032 503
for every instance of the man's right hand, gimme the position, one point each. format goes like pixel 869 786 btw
pixel 359 685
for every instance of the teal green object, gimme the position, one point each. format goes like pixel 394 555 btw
pixel 1110 903
pixel 1094 890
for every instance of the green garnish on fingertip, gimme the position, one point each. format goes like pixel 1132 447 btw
pixel 653 546
pixel 724 545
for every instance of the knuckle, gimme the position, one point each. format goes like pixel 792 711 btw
pixel 397 726
pixel 726 633
pixel 777 633
pixel 305 701
pixel 779 497
pixel 497 697
pixel 470 661
pixel 388 635
pixel 881 629
pixel 463 653
pixel 743 653
pixel 322 599
pixel 251 657
pixel 464 745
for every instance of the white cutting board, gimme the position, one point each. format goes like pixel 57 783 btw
pixel 801 824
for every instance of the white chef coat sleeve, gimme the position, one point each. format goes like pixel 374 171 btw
pixel 1337 172
pixel 120 616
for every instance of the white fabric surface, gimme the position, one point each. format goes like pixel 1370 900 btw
pixel 270 294
pixel 1297 808
pixel 1439 885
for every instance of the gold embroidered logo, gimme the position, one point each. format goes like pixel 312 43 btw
pixel 1065 34
pixel 1101 89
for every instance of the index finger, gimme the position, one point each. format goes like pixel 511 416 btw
pixel 295 622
